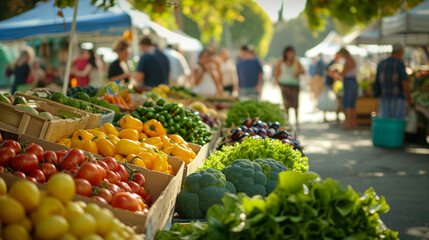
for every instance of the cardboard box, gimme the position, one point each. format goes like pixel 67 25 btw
pixel 22 122
pixel 95 119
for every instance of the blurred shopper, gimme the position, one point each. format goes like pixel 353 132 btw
pixel 350 89
pixel 217 61
pixel 319 77
pixel 229 70
pixel 118 69
pixel 331 73
pixel 392 85
pixel 249 72
pixel 153 68
pixel 179 67
pixel 286 75
pixel 39 73
pixel 206 77
pixel 23 71
pixel 84 67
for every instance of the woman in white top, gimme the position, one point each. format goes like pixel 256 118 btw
pixel 229 70
pixel 207 80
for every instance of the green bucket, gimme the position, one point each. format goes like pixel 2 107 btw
pixel 388 132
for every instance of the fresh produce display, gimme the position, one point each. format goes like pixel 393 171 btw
pixel 253 149
pixel 201 190
pixel 301 207
pixel 207 187
pixel 102 179
pixel 28 213
pixel 123 100
pixel 207 115
pixel 114 88
pixel 183 92
pixel 145 145
pixel 89 90
pixel 265 111
pixel 176 120
pixel 257 129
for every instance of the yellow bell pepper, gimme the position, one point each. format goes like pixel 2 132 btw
pixel 182 153
pixel 76 144
pixel 97 133
pixel 129 133
pixel 177 139
pixel 113 139
pixel 65 141
pixel 129 121
pixel 105 147
pixel 167 150
pixel 155 141
pixel 89 146
pixel 148 158
pixel 126 147
pixel 170 170
pixel 154 128
pixel 82 135
pixel 148 147
pixel 130 157
pixel 164 88
pixel 136 160
pixel 142 136
pixel 119 158
pixel 165 139
pixel 110 129
pixel 160 163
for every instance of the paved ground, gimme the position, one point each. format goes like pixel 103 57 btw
pixel 402 176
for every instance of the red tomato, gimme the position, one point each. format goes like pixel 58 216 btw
pixel 12 144
pixel 106 194
pixel 36 149
pixel 112 177
pixel 19 174
pixel 92 160
pixel 90 172
pixel 114 189
pixel 60 154
pixel 72 171
pixel 24 162
pixel 6 155
pixel 124 186
pixel 50 157
pixel 135 188
pixel 103 165
pixel 122 172
pixel 38 175
pixel 72 158
pixel 148 199
pixel 1 138
pixel 111 163
pixel 98 198
pixel 48 169
pixel 32 179
pixel 83 187
pixel 143 193
pixel 126 201
pixel 139 179
pixel 102 171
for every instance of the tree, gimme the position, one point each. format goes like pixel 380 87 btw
pixel 352 12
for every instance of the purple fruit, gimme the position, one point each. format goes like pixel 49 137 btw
pixel 255 129
pixel 281 135
pixel 254 120
pixel 247 122
pixel 236 133
pixel 244 128
pixel 256 137
pixel 242 136
pixel 275 125
pixel 258 124
pixel 270 132
pixel 262 132
pixel 251 132
pixel 265 126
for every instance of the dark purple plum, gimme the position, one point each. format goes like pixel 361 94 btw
pixel 262 132
pixel 271 132
pixel 242 136
pixel 275 125
pixel 258 124
pixel 281 135
pixel 264 136
pixel 247 122
pixel 255 129
pixel 244 128
pixel 251 132
pixel 236 133
pixel 265 126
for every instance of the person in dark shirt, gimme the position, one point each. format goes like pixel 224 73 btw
pixel 249 72
pixel 118 69
pixel 153 68
pixel 392 85
pixel 22 69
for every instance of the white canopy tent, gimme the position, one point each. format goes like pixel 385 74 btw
pixel 414 21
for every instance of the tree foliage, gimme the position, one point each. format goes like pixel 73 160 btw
pixel 352 12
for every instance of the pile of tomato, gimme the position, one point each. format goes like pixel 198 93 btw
pixel 104 180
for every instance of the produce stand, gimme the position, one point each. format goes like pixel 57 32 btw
pixel 365 106
pixel 95 119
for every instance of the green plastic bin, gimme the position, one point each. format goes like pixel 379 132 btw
pixel 388 132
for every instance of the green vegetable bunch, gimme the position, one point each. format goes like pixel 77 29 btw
pixel 301 207
pixel 268 112
pixel 258 148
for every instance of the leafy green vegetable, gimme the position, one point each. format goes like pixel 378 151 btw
pixel 257 148
pixel 268 112
pixel 301 207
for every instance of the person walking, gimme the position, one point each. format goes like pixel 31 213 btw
pixel 82 67
pixel 229 70
pixel 286 75
pixel 350 89
pixel 392 85
pixel 249 72
pixel 118 69
pixel 205 75
pixel 319 74
pixel 153 68
pixel 23 70
pixel 179 67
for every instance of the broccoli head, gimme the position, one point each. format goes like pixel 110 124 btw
pixel 271 168
pixel 201 190
pixel 247 177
